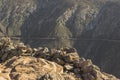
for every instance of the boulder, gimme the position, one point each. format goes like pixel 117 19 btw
pixel 25 68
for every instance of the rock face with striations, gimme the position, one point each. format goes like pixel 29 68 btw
pixel 57 23
pixel 35 20
pixel 46 64
pixel 104 46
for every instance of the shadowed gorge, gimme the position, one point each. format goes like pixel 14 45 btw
pixel 91 26
pixel 104 48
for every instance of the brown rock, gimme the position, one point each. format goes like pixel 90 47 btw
pixel 20 65
pixel 59 61
pixel 77 70
pixel 2 78
pixel 46 50
pixel 88 76
pixel 69 50
pixel 52 76
pixel 86 66
pixel 68 67
pixel 30 66
pixel 71 57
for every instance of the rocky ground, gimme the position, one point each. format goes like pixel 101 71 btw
pixel 20 62
pixel 91 26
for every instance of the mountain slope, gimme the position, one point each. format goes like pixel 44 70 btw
pixel 66 23
pixel 33 21
pixel 104 43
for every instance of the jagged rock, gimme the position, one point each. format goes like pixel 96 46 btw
pixel 86 66
pixel 20 62
pixel 69 50
pixel 32 20
pixel 68 67
pixel 4 73
pixel 69 77
pixel 88 76
pixel 63 76
pixel 77 63
pixel 1 78
pixel 4 76
pixel 71 57
pixel 25 68
pixel 59 61
pixel 52 77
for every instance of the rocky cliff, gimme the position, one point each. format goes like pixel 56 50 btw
pixel 19 62
pixel 45 22
pixel 100 40
pixel 92 26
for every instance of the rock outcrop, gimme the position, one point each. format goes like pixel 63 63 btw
pixel 59 23
pixel 19 62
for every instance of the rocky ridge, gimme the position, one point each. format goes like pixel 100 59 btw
pixel 55 23
pixel 19 62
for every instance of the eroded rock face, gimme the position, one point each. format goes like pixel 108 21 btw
pixel 34 20
pixel 44 22
pixel 25 68
pixel 46 64
pixel 102 37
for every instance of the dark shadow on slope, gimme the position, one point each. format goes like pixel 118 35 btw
pixel 104 49
pixel 40 24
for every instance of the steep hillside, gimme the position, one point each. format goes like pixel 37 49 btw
pixel 38 22
pixel 13 14
pixel 92 26
pixel 101 39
